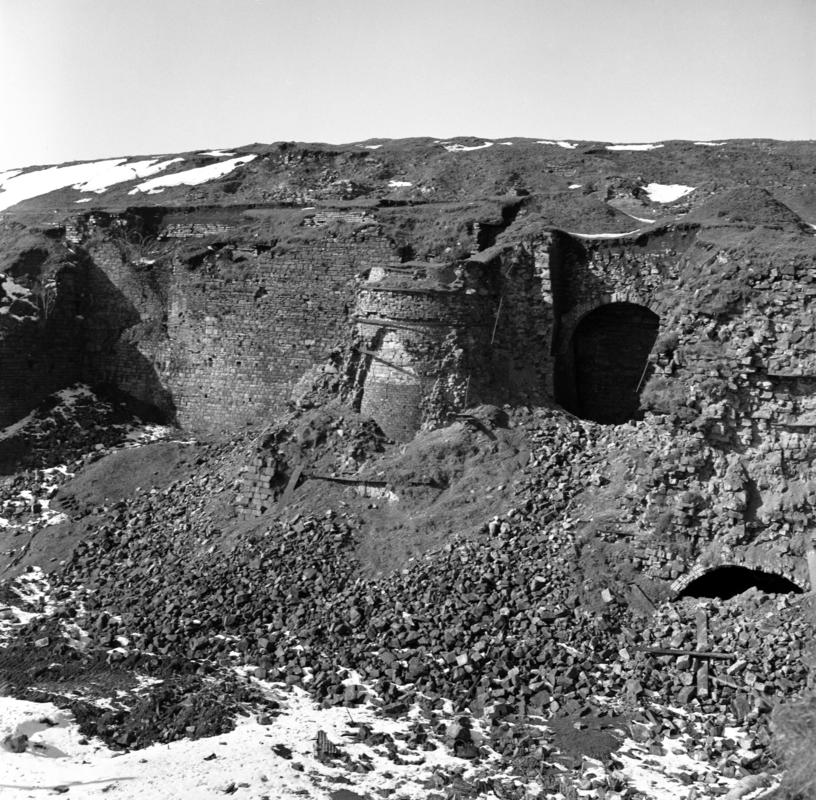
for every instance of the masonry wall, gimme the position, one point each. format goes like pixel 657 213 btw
pixel 222 341
pixel 424 354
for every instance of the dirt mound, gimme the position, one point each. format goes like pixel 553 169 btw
pixel 124 473
pixel 444 483
pixel 747 205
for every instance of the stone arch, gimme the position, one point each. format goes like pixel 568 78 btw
pixel 603 359
pixel 781 573
pixel 727 580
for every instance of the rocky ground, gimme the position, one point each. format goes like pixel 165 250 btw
pixel 153 635
pixel 482 612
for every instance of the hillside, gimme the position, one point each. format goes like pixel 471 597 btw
pixel 491 461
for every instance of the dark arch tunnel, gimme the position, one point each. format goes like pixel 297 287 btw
pixel 603 371
pixel 729 581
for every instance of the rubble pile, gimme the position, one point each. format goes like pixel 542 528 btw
pixel 330 440
pixel 505 626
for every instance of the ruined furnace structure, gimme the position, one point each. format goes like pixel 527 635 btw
pixel 215 328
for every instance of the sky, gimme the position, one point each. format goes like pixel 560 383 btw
pixel 86 79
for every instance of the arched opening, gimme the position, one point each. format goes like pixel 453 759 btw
pixel 729 581
pixel 606 363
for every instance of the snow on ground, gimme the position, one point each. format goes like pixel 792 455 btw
pixel 34 591
pixel 147 434
pixel 453 147
pixel 633 146
pixel 28 509
pixel 276 758
pixel 90 176
pixel 79 391
pixel 509 144
pixel 241 760
pixel 9 173
pixel 12 293
pixel 84 200
pixel 560 143
pixel 13 289
pixel 575 185
pixel 669 774
pixel 710 144
pixel 120 173
pixel 639 219
pixel 602 235
pixel 371 146
pixel 216 153
pixel 192 177
pixel 399 184
pixel 667 192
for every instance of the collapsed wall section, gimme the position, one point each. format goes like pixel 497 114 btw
pixel 41 336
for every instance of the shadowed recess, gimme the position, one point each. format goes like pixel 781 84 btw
pixel 727 582
pixel 610 348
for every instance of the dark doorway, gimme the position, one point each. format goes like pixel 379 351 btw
pixel 607 363
pixel 727 582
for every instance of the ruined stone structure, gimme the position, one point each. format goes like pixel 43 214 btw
pixel 214 325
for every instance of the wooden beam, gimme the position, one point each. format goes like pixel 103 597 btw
pixel 702 643
pixel 668 651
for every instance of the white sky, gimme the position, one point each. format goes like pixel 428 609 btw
pixel 88 79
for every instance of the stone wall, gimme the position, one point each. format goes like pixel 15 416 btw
pixel 422 349
pixel 221 340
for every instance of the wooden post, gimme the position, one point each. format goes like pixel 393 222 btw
pixel 702 644
pixel 496 323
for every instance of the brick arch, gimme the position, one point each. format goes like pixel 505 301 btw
pixel 570 320
pixel 782 569
pixel 601 356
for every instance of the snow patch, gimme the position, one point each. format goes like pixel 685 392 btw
pixel 668 775
pixel 34 591
pixel 633 146
pixel 13 289
pixel 560 143
pixel 192 177
pixel 371 146
pixel 602 235
pixel 216 153
pixel 70 395
pixel 399 184
pixel 508 144
pixel 210 768
pixel 709 144
pixel 453 147
pixel 90 176
pixel 667 192
pixel 147 434
pixel 575 185
pixel 105 178
pixel 84 200
pixel 7 174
